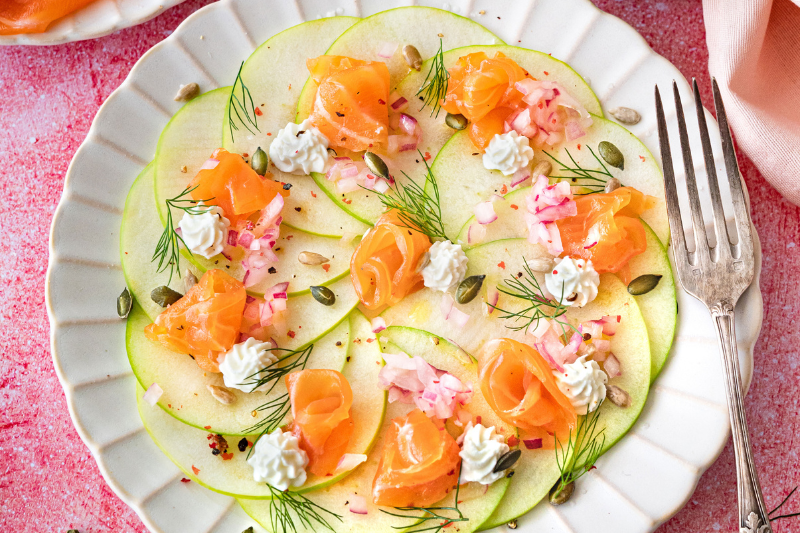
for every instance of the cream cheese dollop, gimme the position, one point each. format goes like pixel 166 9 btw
pixel 244 360
pixel 205 233
pixel 277 460
pixel 481 447
pixel 300 149
pixel 508 153
pixel 447 266
pixel 584 383
pixel 574 281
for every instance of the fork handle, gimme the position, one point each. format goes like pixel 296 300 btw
pixel 752 514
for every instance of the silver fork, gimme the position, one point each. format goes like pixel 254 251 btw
pixel 717 277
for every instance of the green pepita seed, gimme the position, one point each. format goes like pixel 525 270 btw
pixel 412 57
pixel 323 295
pixel 611 154
pixel 249 529
pixel 260 161
pixel 376 165
pixel 557 498
pixel 469 288
pixel 643 284
pixel 164 296
pixel 457 122
pixel 612 184
pixel 507 460
pixel 124 303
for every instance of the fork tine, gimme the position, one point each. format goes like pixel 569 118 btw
pixel 740 209
pixel 698 226
pixel 670 188
pixel 723 249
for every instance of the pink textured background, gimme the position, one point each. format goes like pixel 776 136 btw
pixel 48 98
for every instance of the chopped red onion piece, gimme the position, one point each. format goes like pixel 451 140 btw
pixel 358 504
pixel 347 239
pixel 349 461
pixel 233 236
pixel 378 324
pixel 492 296
pixel 346 185
pixel 458 317
pixel 446 305
pixel 612 366
pixel 399 104
pixel 484 213
pixel 153 394
pixel 381 186
pixel 476 233
pixel 520 176
pixel 532 444
pixel 387 50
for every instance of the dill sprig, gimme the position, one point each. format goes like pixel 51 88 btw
pixel 527 288
pixel 168 249
pixel 430 514
pixel 416 208
pixel 285 506
pixel 592 180
pixel 242 106
pixel 581 451
pixel 434 88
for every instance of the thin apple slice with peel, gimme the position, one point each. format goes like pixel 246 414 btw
pixel 275 74
pixel 230 474
pixel 659 306
pixel 186 396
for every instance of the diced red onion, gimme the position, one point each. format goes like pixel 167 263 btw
pixel 369 182
pixel 446 305
pixel 612 366
pixel 378 324
pixel 476 233
pixel 532 444
pixel 233 236
pixel 358 504
pixel 539 328
pixel 347 239
pixel 387 50
pixel 381 186
pixel 520 176
pixel 602 345
pixel 492 297
pixel 153 394
pixel 399 104
pixel 458 317
pixel 484 213
pixel 349 170
pixel 277 305
pixel 346 185
pixel 574 130
pixel 210 164
pixel 408 124
pixel 278 290
pixel 349 461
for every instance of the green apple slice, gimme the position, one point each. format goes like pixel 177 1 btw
pixel 188 447
pixel 138 238
pixel 184 384
pixel 659 306
pixel 275 74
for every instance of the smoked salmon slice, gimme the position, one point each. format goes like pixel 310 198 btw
pixel 34 16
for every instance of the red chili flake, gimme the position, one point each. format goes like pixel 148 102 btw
pixel 249 444
pixel 212 445
pixel 326 267
pixel 185 480
pixel 513 441
pixel 504 189
pixel 450 473
pixel 546 73
pixel 427 156
pixel 514 207
pixel 209 436
pixel 541 105
pixel 592 468
pixel 579 147
pixel 246 154
pixel 642 158
pixel 478 419
pixel 291 334
pixel 555 272
pixel 502 264
pixel 227 456
pixel 269 135
pixel 206 427
pixel 258 112
pixel 289 237
pixel 347 201
pixel 195 470
pixel 290 86
pixel 380 101
pixel 370 340
pixel 554 121
pixel 169 405
pixel 313 194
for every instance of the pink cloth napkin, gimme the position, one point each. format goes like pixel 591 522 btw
pixel 754 52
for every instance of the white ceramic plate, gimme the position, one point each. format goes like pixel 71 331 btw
pixel 97 19
pixel 640 483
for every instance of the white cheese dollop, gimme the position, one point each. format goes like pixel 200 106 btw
pixel 447 267
pixel 584 383
pixel 480 448
pixel 278 460
pixel 205 234
pixel 571 277
pixel 244 360
pixel 300 149
pixel 508 153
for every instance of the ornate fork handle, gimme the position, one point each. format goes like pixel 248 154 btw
pixel 752 514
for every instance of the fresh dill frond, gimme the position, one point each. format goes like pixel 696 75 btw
pixel 416 208
pixel 591 179
pixel 286 506
pixel 241 106
pixel 276 409
pixel 434 88
pixel 168 249
pixel 527 288
pixel 275 372
pixel 426 516
pixel 581 451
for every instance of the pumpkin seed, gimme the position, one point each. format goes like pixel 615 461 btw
pixel 423 262
pixel 507 460
pixel 376 165
pixel 612 185
pixel 469 288
pixel 187 92
pixel 189 281
pixel 456 121
pixel 223 395
pixel 412 57
pixel 124 303
pixel 618 396
pixel 542 168
pixel 323 295
pixel 164 296
pixel 611 154
pixel 260 161
pixel 311 258
pixel 626 115
pixel 643 284
pixel 564 495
